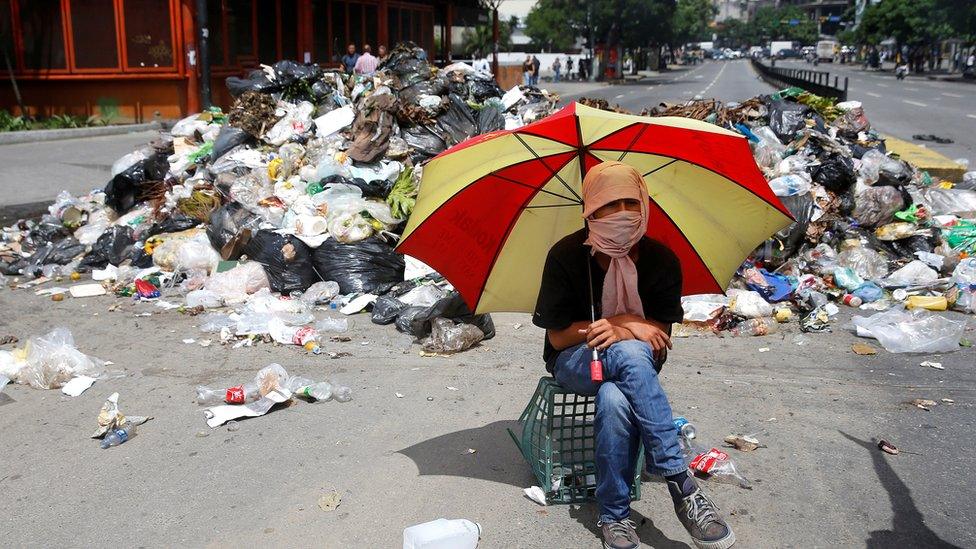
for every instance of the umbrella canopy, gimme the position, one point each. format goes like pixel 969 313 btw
pixel 490 208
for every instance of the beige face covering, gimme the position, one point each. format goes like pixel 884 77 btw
pixel 615 234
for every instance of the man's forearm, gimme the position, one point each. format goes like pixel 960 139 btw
pixel 630 322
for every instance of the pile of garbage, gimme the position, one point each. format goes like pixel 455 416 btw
pixel 289 203
pixel 872 231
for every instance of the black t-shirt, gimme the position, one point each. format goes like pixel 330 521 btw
pixel 564 297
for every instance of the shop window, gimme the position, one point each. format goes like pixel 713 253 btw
pixel 42 30
pixel 267 31
pixel 148 37
pixel 371 26
pixel 339 37
pixel 215 24
pixel 93 34
pixel 240 31
pixel 320 30
pixel 356 26
pixel 289 29
pixel 6 30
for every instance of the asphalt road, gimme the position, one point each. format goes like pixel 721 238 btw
pixel 899 108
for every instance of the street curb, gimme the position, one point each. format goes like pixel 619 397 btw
pixel 924 158
pixel 37 136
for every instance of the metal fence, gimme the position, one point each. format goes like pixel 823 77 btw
pixel 818 82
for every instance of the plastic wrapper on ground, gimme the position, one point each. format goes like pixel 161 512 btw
pixel 447 337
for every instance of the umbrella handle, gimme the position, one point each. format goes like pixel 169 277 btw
pixel 596 368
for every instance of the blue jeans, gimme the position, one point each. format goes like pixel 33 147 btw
pixel 630 407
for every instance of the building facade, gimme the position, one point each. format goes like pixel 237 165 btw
pixel 136 60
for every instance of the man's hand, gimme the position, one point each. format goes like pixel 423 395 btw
pixel 652 335
pixel 602 334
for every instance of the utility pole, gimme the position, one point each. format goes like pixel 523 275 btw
pixel 493 6
pixel 203 49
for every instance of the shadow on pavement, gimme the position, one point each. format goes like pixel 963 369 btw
pixel 496 457
pixel 587 515
pixel 908 525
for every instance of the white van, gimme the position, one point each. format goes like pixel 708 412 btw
pixel 826 49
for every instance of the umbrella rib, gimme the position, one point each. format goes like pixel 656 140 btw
pixel 661 167
pixel 551 171
pixel 573 204
pixel 503 178
pixel 636 137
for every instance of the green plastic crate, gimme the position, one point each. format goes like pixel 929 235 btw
pixel 558 441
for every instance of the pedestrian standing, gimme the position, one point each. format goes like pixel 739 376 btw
pixel 557 66
pixel 382 53
pixel 527 71
pixel 367 63
pixel 536 65
pixel 349 60
pixel 569 67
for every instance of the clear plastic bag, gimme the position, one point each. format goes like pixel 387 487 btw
pixel 204 298
pixel 235 285
pixel 320 293
pixel 877 205
pixel 870 165
pixel 791 184
pixel 271 378
pixel 867 263
pixel 916 331
pixel 332 325
pixel 52 360
pixel 914 273
pixel 448 337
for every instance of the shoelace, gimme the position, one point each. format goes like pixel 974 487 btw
pixel 702 510
pixel 620 529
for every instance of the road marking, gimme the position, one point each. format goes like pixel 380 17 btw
pixel 914 103
pixel 649 88
pixel 619 96
pixel 911 89
pixel 882 85
pixel 971 115
pixel 872 94
pixel 952 94
pixel 699 76
pixel 714 80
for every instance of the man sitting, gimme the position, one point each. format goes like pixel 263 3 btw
pixel 638 282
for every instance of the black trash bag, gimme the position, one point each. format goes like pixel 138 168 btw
pixel 48 229
pixel 377 188
pixel 490 119
pixel 113 247
pixel 835 173
pixel 14 268
pixel 291 72
pixel 228 138
pixel 140 259
pixel 286 260
pixel 368 266
pixel 65 251
pixel 434 86
pixel 786 118
pixel 386 309
pixel 847 204
pixel 405 62
pixel 227 224
pixel 176 222
pixel 424 142
pixel 416 320
pixel 256 80
pixel 894 172
pixel 788 241
pixel 483 89
pixel 322 93
pixel 125 190
pixel 457 122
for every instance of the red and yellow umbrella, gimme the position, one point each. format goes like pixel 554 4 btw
pixel 490 208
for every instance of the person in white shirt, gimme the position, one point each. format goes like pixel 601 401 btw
pixel 481 64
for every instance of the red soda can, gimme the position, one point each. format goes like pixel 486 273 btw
pixel 852 300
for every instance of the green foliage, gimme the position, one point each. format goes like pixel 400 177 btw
pixel 913 23
pixel 776 24
pixel 481 39
pixel 690 20
pixel 733 33
pixel 556 24
pixel 11 123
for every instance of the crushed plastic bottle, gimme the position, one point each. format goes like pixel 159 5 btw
pixel 341 393
pixel 320 391
pixel 118 436
pixel 442 534
pixel 716 464
pixel 756 327
pixel 239 394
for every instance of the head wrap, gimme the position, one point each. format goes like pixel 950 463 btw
pixel 615 234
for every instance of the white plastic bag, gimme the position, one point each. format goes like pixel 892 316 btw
pixel 791 184
pixel 52 360
pixel 702 308
pixel 748 304
pixel 915 273
pixel 204 298
pixel 295 120
pixel 235 285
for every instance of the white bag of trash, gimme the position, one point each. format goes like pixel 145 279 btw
pixel 52 360
pixel 748 304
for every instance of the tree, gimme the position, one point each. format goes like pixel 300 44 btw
pixel 733 33
pixel 786 23
pixel 554 24
pixel 690 20
pixel 917 24
pixel 479 40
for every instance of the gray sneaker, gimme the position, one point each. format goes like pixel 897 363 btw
pixel 700 517
pixel 620 535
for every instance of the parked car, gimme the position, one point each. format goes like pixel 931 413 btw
pixel 788 53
